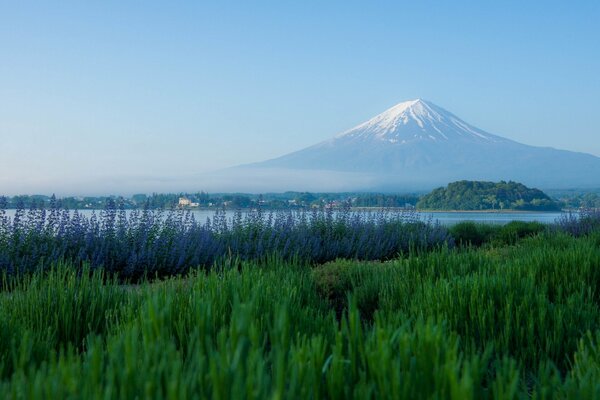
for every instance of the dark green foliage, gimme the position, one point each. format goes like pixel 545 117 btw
pixel 272 201
pixel 470 233
pixel 577 198
pixel 515 230
pixel 475 195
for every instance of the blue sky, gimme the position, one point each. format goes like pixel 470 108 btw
pixel 107 92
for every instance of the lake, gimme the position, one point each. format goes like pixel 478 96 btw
pixel 451 218
pixel 445 218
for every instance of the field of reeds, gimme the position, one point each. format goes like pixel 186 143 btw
pixel 514 315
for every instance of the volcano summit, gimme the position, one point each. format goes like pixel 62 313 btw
pixel 418 145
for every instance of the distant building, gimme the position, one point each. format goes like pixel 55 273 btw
pixel 185 202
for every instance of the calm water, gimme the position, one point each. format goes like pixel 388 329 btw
pixel 450 218
pixel 445 218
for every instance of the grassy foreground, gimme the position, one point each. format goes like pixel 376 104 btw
pixel 498 322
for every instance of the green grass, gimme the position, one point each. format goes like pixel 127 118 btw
pixel 500 321
pixel 470 233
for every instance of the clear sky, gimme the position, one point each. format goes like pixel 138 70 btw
pixel 106 92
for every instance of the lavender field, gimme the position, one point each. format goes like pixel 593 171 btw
pixel 156 242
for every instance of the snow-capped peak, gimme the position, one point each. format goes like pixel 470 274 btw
pixel 401 114
pixel 414 120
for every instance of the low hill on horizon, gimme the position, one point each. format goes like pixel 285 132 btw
pixel 475 195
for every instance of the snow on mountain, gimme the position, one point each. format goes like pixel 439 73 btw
pixel 416 144
pixel 417 120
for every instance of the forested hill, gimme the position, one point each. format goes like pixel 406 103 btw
pixel 475 195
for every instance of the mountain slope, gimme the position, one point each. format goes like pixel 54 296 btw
pixel 419 144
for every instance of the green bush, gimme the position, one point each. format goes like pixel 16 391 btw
pixel 469 233
pixel 515 230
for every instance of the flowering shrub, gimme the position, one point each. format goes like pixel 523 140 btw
pixel 165 243
pixel 581 223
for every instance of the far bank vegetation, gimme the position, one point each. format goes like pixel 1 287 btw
pixel 476 195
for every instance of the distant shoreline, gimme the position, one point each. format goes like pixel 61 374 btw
pixel 338 209
pixel 458 211
pixel 492 211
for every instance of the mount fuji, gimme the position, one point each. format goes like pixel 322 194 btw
pixel 418 145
